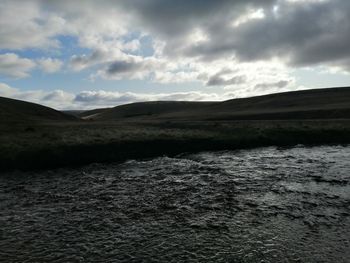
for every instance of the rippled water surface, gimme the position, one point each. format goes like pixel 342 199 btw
pixel 262 205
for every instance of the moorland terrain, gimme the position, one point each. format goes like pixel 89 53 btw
pixel 33 136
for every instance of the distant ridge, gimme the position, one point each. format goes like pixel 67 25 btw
pixel 144 109
pixel 329 103
pixel 37 137
pixel 305 104
pixel 12 110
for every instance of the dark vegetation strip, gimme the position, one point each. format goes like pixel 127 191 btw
pixel 74 155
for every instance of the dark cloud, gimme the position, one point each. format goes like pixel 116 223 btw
pixel 300 33
pixel 133 68
pixel 280 84
pixel 220 81
pixel 173 21
pixel 304 33
pixel 84 61
pixel 171 18
pixel 120 67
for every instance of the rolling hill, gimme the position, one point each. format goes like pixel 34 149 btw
pixel 153 109
pixel 33 136
pixel 318 103
pixel 12 110
pixel 331 103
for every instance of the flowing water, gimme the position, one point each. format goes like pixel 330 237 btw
pixel 262 205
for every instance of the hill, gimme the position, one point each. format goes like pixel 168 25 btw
pixel 12 110
pixel 305 104
pixel 33 136
pixel 331 103
pixel 146 110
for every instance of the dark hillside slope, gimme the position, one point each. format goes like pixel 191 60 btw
pixel 331 103
pixel 306 104
pixel 152 109
pixel 12 110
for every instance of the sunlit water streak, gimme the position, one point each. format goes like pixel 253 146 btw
pixel 261 205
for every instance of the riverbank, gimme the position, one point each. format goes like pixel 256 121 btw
pixel 27 146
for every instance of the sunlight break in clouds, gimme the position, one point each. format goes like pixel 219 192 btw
pixel 236 48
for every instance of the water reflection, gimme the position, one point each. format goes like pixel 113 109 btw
pixel 262 205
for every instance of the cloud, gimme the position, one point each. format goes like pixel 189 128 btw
pixel 23 24
pixel 12 65
pixel 84 61
pixel 300 33
pixel 58 96
pixel 100 56
pixel 133 67
pixel 49 65
pixel 121 67
pixel 219 80
pixel 297 33
pixel 280 84
pixel 6 90
pixel 173 19
pixel 304 33
pixel 187 42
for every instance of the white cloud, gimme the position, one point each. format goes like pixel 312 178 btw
pixel 257 42
pixel 14 66
pixel 24 25
pixel 11 65
pixel 6 90
pixel 49 65
pixel 133 45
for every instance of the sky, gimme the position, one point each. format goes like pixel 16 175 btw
pixel 90 54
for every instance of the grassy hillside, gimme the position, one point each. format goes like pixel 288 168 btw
pixel 34 136
pixel 12 110
pixel 306 104
pixel 309 104
pixel 152 109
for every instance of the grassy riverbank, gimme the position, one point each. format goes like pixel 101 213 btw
pixel 31 145
pixel 36 137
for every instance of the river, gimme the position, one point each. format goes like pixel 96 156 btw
pixel 260 205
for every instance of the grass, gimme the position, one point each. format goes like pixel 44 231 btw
pixel 331 103
pixel 36 137
pixel 55 144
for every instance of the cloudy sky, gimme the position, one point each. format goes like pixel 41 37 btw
pixel 86 54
